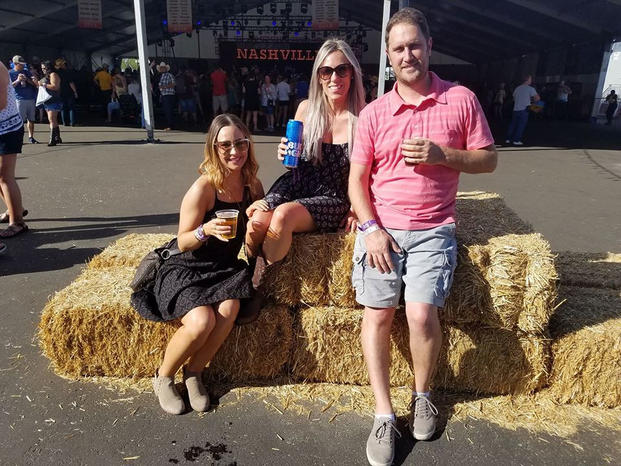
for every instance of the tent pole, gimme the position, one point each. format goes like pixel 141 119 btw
pixel 382 63
pixel 145 81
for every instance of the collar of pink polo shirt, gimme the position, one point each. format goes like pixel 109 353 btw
pixel 437 93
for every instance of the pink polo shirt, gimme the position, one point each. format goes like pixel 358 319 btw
pixel 407 197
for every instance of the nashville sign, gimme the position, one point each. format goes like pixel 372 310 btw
pixel 275 54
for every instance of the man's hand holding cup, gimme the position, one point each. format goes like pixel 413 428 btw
pixel 417 150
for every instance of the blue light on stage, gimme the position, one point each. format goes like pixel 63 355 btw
pixel 309 24
pixel 232 23
pixel 238 32
pixel 198 23
pixel 273 23
pixel 296 33
pixel 164 22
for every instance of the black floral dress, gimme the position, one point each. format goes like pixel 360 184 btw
pixel 207 275
pixel 321 188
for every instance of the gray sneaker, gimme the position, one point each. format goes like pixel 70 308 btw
pixel 381 442
pixel 423 416
pixel 167 394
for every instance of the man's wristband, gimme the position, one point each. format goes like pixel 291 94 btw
pixel 366 225
pixel 200 235
pixel 367 231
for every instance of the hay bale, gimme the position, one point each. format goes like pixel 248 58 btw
pixel 90 329
pixel 482 216
pixel 316 271
pixel 128 250
pixel 327 348
pixel 508 283
pixel 586 330
pixel 590 270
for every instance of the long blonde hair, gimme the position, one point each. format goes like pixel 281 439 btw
pixel 213 168
pixel 318 117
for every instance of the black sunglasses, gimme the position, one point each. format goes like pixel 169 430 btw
pixel 342 71
pixel 226 146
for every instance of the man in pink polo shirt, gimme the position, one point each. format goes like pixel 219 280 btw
pixel 410 146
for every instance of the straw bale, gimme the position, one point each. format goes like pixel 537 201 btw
pixel 316 271
pixel 591 270
pixel 258 351
pixel 485 360
pixel 483 215
pixel 509 283
pixel 586 349
pixel 128 250
pixel 327 347
pixel 90 329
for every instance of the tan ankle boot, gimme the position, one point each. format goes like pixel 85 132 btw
pixel 167 394
pixel 199 398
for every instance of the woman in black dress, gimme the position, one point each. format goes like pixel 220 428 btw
pixel 203 285
pixel 313 197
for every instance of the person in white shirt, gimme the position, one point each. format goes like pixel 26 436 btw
pixel 282 109
pixel 523 96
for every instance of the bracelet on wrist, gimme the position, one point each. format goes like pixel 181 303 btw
pixel 200 235
pixel 367 231
pixel 366 225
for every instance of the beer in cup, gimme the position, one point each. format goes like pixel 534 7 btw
pixel 230 219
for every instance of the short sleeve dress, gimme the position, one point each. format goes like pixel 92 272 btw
pixel 321 188
pixel 207 275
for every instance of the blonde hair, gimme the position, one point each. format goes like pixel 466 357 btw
pixel 213 168
pixel 317 118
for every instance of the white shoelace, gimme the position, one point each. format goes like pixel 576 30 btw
pixel 426 408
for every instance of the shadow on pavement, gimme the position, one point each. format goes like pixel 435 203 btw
pixel 31 252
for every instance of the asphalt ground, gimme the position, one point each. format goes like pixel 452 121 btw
pixel 104 183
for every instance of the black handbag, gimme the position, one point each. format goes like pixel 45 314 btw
pixel 144 278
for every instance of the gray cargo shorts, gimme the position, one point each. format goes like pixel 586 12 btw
pixel 425 266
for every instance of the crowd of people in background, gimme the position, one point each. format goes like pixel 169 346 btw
pixel 189 98
pixel 185 97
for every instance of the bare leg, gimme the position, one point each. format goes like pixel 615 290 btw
pixel 376 325
pixel 30 126
pixel 198 324
pixel 288 218
pixel 256 230
pixel 225 312
pixel 52 117
pixel 425 341
pixel 11 194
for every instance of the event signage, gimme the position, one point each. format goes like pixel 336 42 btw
pixel 89 14
pixel 179 15
pixel 326 14
pixel 286 52
pixel 274 54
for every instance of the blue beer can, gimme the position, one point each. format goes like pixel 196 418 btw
pixel 295 129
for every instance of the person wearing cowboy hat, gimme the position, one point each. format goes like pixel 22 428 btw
pixel 103 80
pixel 167 91
pixel 25 85
pixel 68 91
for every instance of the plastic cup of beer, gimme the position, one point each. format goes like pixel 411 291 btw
pixel 230 217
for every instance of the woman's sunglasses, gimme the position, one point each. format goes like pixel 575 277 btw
pixel 342 71
pixel 226 146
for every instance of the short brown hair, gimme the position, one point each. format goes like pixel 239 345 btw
pixel 411 16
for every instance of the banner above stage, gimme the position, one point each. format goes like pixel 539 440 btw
pixel 89 14
pixel 179 15
pixel 325 14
